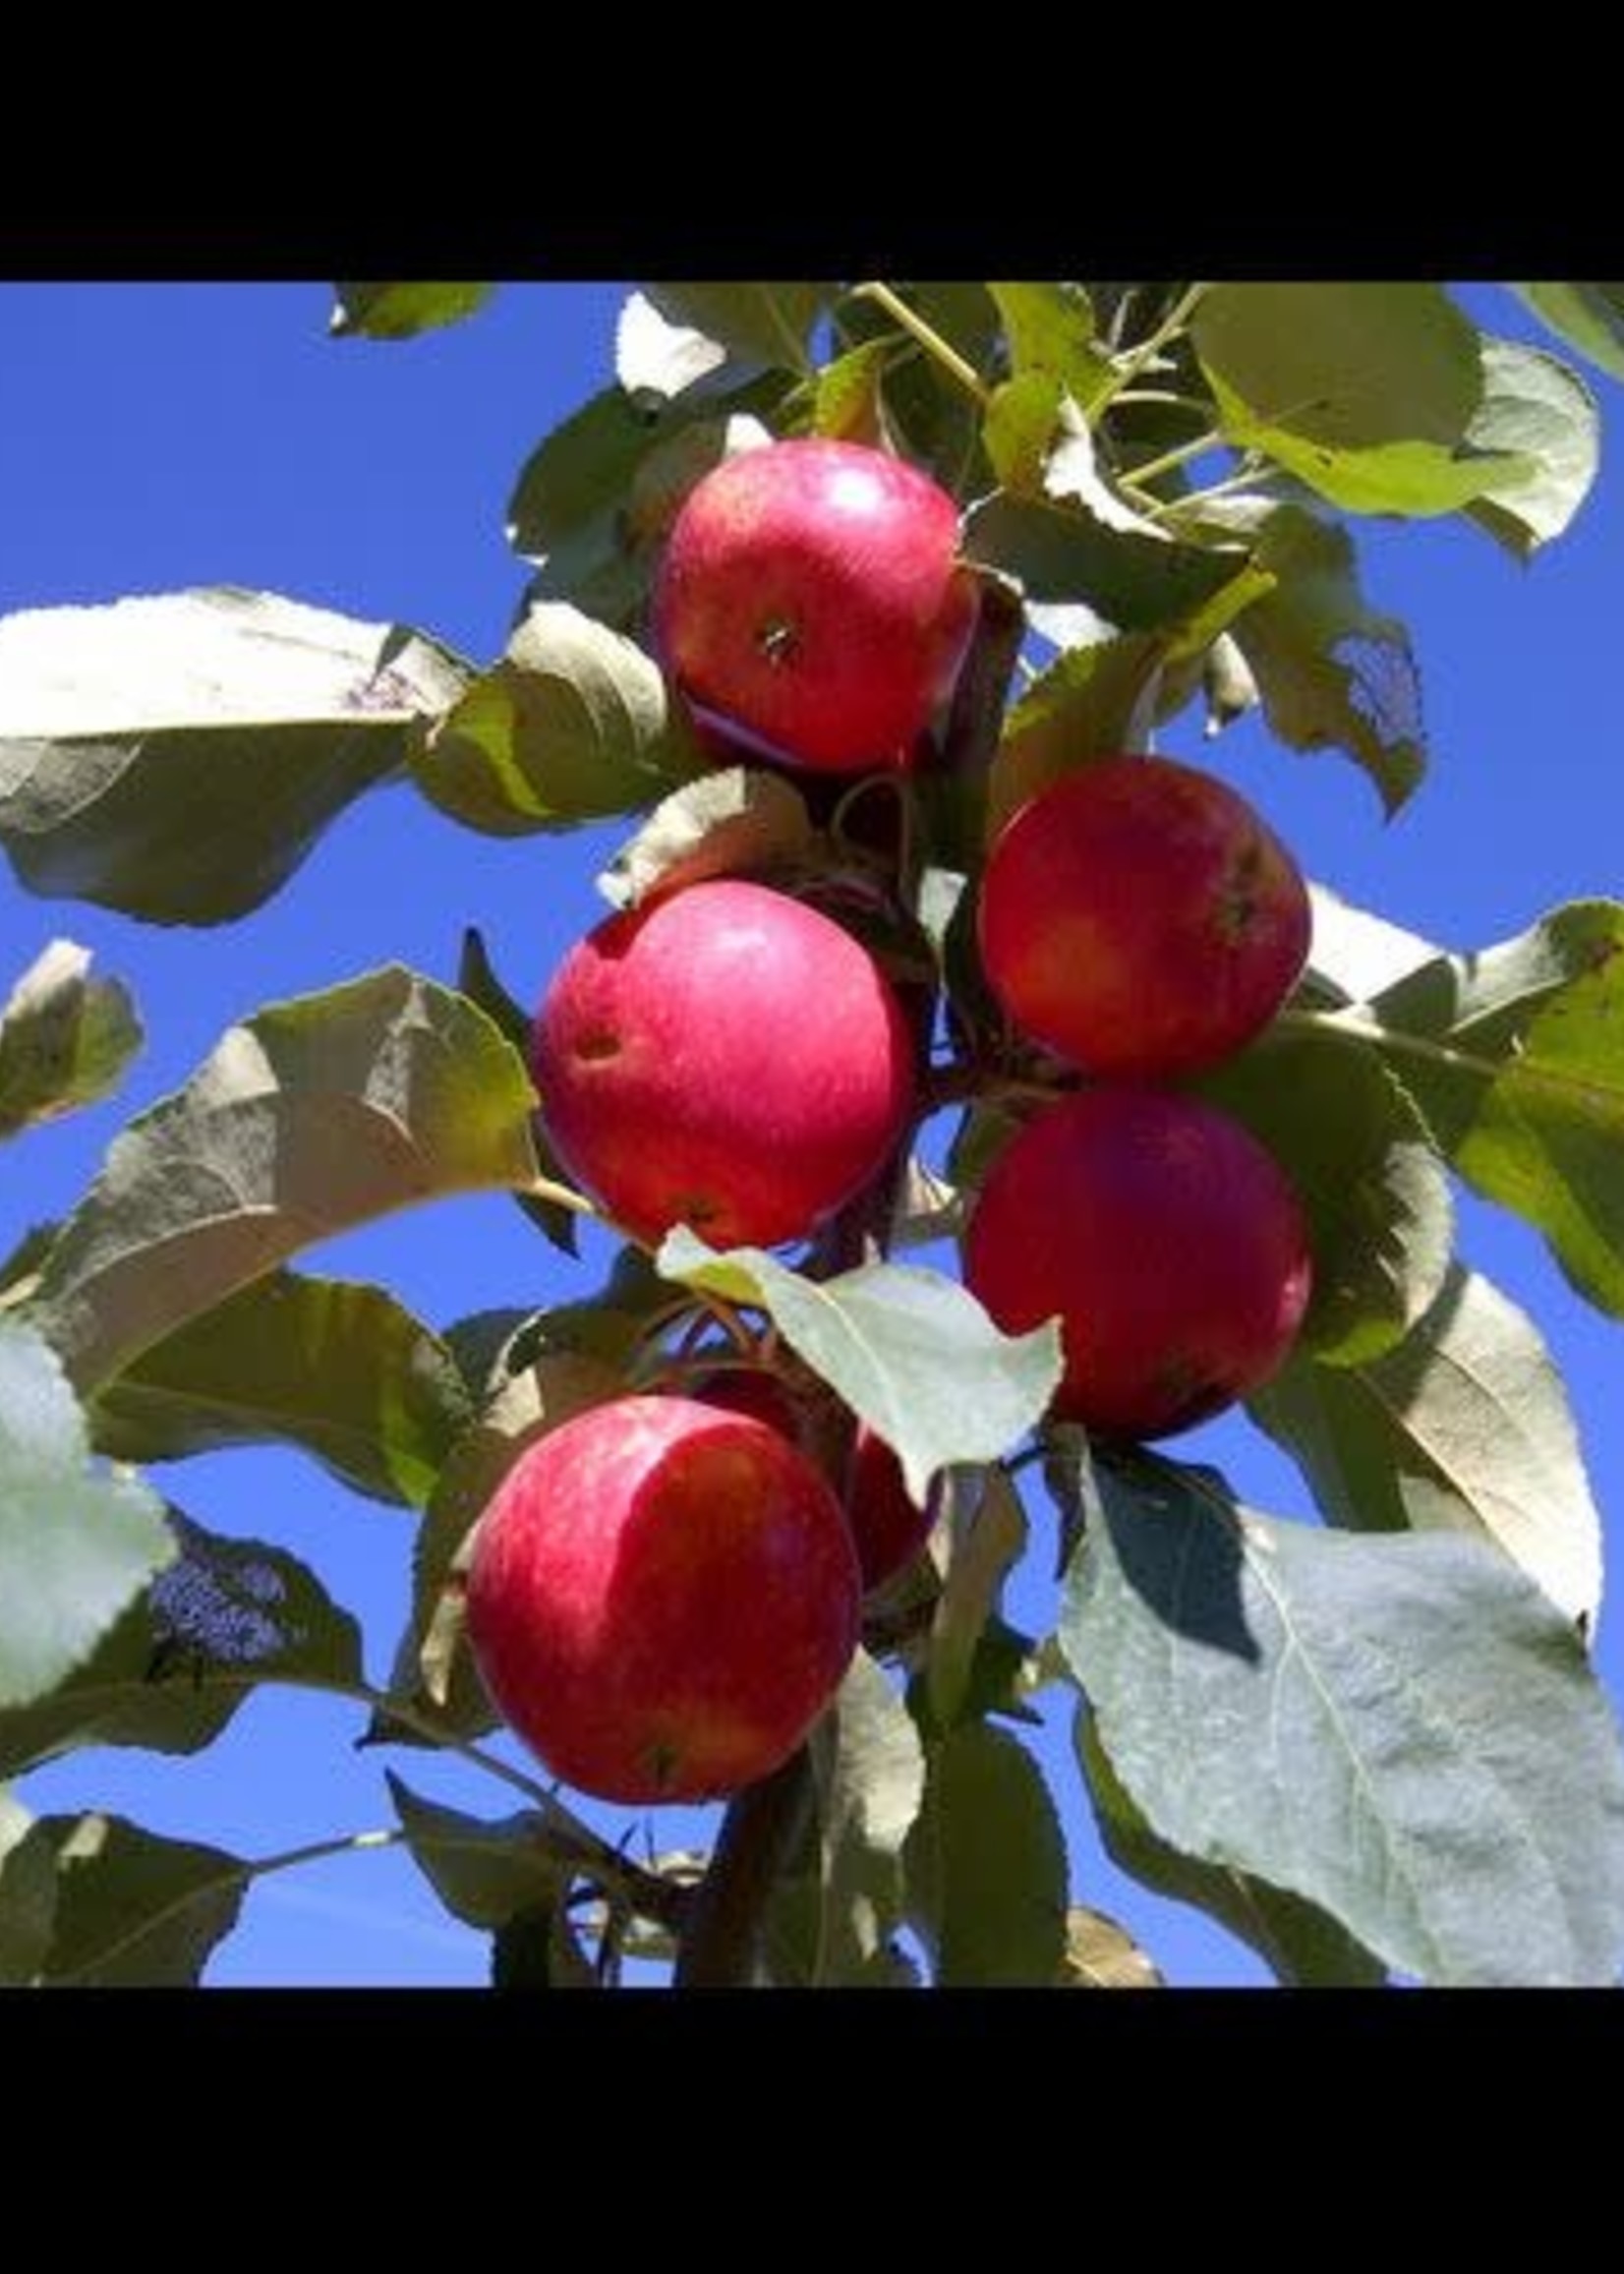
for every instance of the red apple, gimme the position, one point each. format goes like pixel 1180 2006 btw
pixel 1142 919
pixel 811 605
pixel 887 1529
pixel 662 1599
pixel 1167 1241
pixel 725 1057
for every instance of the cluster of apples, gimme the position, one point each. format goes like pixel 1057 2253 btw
pixel 665 1590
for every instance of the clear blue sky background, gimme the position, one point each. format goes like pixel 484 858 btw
pixel 158 437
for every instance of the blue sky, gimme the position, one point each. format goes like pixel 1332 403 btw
pixel 157 437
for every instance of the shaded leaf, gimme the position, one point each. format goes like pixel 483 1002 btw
pixel 20 1272
pixel 986 1864
pixel 591 502
pixel 1098 699
pixel 487 1873
pixel 574 724
pixel 1358 1157
pixel 1132 580
pixel 1332 674
pixel 1365 391
pixel 1399 1729
pixel 313 1116
pixel 537 1950
pixel 1544 414
pixel 402 310
pixel 28 1897
pixel 1515 1056
pixel 761 323
pixel 177 757
pixel 1101 1955
pixel 1463 1426
pixel 740 822
pixel 173 1668
pixel 77 1540
pixel 1305 1946
pixel 912 1352
pixel 1589 317
pixel 341 1369
pixel 870 1774
pixel 987 1542
pixel 134 1910
pixel 65 1038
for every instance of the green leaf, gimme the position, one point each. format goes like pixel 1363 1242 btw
pixel 1400 1728
pixel 402 310
pixel 134 1910
pixel 477 979
pixel 1368 392
pixel 1333 674
pixel 1543 413
pixel 65 1038
pixel 1305 1946
pixel 1357 1154
pixel 740 822
pixel 1098 699
pixel 171 1672
pixel 593 498
pixel 1589 317
pixel 574 724
pixel 1018 427
pixel 1092 702
pixel 313 1116
pixel 1099 1955
pixel 847 401
pixel 988 1538
pixel 761 323
pixel 1050 329
pixel 177 757
pixel 912 1352
pixel 1135 581
pixel 986 1864
pixel 1515 1056
pixel 1463 1426
pixel 28 1897
pixel 870 1774
pixel 77 1541
pixel 341 1369
pixel 485 1873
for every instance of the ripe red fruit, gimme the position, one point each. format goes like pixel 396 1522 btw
pixel 662 1599
pixel 1166 1238
pixel 887 1529
pixel 1142 919
pixel 725 1057
pixel 810 601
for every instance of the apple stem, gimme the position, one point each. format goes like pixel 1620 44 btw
pixel 1147 349
pixel 929 338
